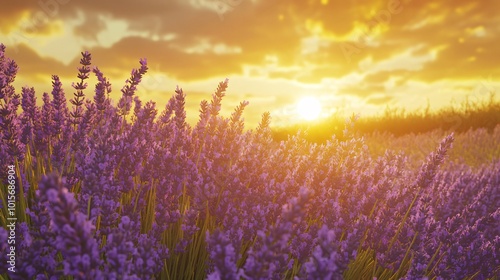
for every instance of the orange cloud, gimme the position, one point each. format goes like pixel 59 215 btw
pixel 386 45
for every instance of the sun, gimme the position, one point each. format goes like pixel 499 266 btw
pixel 309 108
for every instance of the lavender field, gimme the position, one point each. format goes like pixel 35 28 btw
pixel 96 188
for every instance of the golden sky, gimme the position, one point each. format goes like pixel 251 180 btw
pixel 353 55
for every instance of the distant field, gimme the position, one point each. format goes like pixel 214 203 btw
pixel 474 148
pixel 416 134
pixel 468 115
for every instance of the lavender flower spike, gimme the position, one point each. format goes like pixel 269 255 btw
pixel 223 256
pixel 429 168
pixel 125 102
pixel 74 233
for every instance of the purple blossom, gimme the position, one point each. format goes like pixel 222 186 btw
pixel 125 102
pixel 30 116
pixel 429 168
pixel 47 122
pixel 79 96
pixel 59 106
pixel 130 255
pixel 74 233
pixel 269 258
pixel 223 257
pixel 323 263
pixel 4 246
pixel 102 89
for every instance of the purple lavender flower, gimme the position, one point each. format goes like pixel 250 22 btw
pixel 59 106
pixel 95 171
pixel 125 102
pixel 10 126
pixel 74 233
pixel 79 96
pixel 166 115
pixel 11 145
pixel 150 256
pixel 223 257
pixel 43 135
pixel 189 228
pixel 30 116
pixel 323 263
pixel 102 88
pixel 180 113
pixel 429 168
pixel 269 258
pixel 3 246
pixel 132 255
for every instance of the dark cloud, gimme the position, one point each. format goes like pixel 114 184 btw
pixel 92 25
pixel 34 67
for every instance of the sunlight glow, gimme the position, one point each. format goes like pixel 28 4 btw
pixel 309 108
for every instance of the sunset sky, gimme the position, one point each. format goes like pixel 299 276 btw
pixel 353 55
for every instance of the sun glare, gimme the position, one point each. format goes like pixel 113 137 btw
pixel 309 108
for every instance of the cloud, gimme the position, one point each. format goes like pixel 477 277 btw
pixel 274 48
pixel 32 66
pixel 92 25
pixel 379 100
